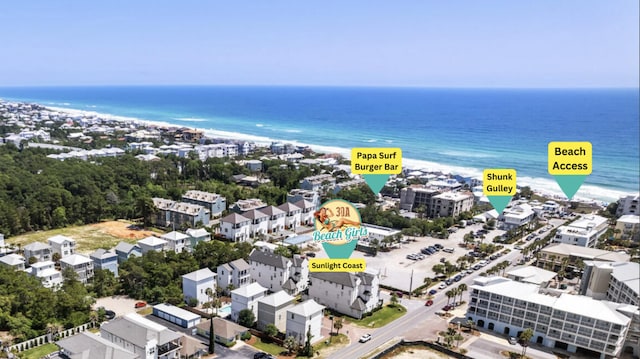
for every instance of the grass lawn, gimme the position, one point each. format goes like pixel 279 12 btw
pixel 39 352
pixel 88 237
pixel 271 348
pixel 382 317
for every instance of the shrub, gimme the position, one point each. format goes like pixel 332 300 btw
pixel 246 335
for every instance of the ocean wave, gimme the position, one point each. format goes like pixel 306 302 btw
pixel 259 125
pixel 388 141
pixel 190 119
pixel 371 140
pixel 542 185
pixel 293 131
pixel 454 153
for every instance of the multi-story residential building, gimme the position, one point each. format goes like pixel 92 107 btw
pixel 417 198
pixel 304 317
pixel 530 274
pixel 193 215
pixel 315 183
pixel 163 206
pixel 517 215
pixel 306 211
pixel 276 272
pixel 177 242
pixel 450 204
pixel 564 321
pixel 628 205
pixel 628 227
pixel 46 272
pixel 126 250
pixel 89 345
pixel 82 265
pixel 234 274
pixel 62 245
pixel 246 297
pixel 557 255
pixel 292 215
pixel 143 337
pixel 276 218
pixel 584 232
pixel 272 309
pixel 353 294
pixel 195 285
pixel 615 281
pixel 296 195
pixel 259 222
pixel 197 235
pixel 245 205
pixel 14 261
pixel 346 185
pixel 105 260
pixel 235 227
pixel 152 243
pixel 254 165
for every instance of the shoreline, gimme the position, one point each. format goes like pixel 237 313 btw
pixel 546 187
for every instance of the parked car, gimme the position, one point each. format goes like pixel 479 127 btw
pixel 311 254
pixel 447 307
pixel 448 250
pixel 442 260
pixel 109 314
pixel 513 340
pixel 424 251
pixel 428 303
pixel 411 256
pixel 438 246
pixel 442 285
pixel 457 278
pixel 448 281
pixel 263 355
pixel 140 304
pixel 365 338
pixel 433 292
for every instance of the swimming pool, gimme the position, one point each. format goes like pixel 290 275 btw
pixel 224 311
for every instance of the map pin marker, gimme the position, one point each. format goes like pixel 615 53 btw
pixel 376 165
pixel 499 185
pixel 570 163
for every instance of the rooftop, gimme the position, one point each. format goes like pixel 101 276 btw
pixel 200 274
pixel 177 312
pixel 531 274
pixel 307 308
pixel 250 290
pixel 87 345
pixel 75 259
pixel 585 252
pixel 276 299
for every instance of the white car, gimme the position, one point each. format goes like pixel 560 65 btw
pixel 365 338
pixel 442 285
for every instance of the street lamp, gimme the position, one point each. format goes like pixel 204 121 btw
pixel 331 328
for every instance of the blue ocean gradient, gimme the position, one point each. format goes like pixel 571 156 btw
pixel 461 128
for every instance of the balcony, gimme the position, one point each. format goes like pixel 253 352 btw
pixel 167 348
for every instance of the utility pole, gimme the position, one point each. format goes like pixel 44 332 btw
pixel 410 284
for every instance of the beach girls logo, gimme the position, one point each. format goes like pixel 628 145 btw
pixel 338 228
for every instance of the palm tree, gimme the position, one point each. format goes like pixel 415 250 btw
pixel 337 325
pixel 461 289
pixel 450 294
pixel 525 337
pixel 471 324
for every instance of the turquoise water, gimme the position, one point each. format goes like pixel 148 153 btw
pixel 457 130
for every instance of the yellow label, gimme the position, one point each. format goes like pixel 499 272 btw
pixel 337 265
pixel 499 182
pixel 376 160
pixel 570 158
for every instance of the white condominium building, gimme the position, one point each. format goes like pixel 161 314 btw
pixel 584 232
pixel 564 321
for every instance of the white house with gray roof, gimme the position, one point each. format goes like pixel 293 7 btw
pixel 177 241
pixel 215 203
pixel 353 294
pixel 272 309
pixel 105 260
pixel 195 285
pixel 89 345
pixel 292 215
pixel 47 274
pixel 276 218
pixel 152 243
pixel 14 261
pixel 307 209
pixel 246 298
pixel 259 222
pixel 304 317
pixel 235 227
pixel 62 245
pixel 235 273
pixel 197 235
pixel 143 337
pixel 82 265
pixel 40 251
pixel 276 272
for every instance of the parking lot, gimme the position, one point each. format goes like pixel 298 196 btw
pixel 396 270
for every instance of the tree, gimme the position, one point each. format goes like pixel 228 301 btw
pixel 337 325
pixel 450 294
pixel 246 318
pixel 212 341
pixel 394 299
pixel 307 350
pixel 525 337
pixel 461 289
pixel 290 344
pixel 271 330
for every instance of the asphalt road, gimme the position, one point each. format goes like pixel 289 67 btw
pixel 415 316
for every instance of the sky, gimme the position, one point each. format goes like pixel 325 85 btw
pixel 426 43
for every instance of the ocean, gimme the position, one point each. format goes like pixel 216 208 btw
pixel 461 131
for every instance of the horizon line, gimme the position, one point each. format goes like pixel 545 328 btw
pixel 338 86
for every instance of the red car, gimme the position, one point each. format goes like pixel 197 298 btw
pixel 447 308
pixel 141 304
pixel 428 303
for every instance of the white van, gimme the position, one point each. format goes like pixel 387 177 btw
pixel 448 250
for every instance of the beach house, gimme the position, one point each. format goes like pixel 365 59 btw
pixel 177 242
pixel 235 227
pixel 353 294
pixel 276 272
pixel 305 317
pixel 246 297
pixel 126 250
pixel 62 245
pixel 82 265
pixel 293 214
pixel 38 250
pixel 105 260
pixel 47 274
pixel 234 274
pixel 272 309
pixel 152 243
pixel 196 283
